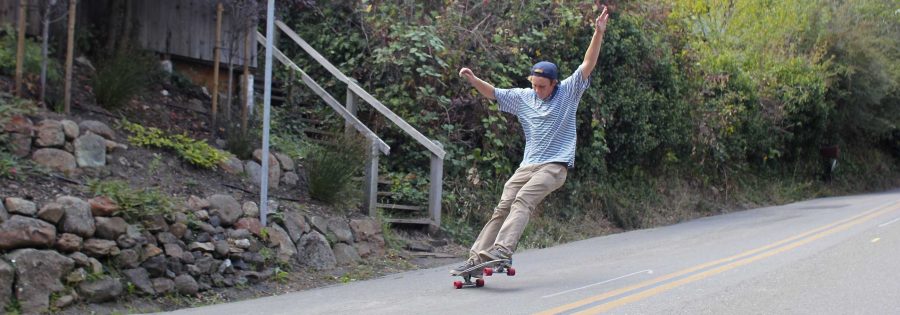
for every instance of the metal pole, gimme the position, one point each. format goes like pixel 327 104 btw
pixel 267 101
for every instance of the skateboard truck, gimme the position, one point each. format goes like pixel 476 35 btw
pixel 489 268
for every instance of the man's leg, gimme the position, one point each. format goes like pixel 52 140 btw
pixel 546 179
pixel 488 234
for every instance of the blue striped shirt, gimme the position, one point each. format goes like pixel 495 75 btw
pixel 549 126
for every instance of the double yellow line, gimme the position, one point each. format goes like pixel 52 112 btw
pixel 727 263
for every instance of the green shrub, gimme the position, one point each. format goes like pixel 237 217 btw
pixel 32 60
pixel 121 77
pixel 196 152
pixel 332 168
pixel 134 204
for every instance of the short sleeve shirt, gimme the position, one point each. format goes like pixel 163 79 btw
pixel 549 126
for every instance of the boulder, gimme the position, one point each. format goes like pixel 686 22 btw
pixel 49 134
pixel 251 210
pixel 96 247
pixel 102 206
pixel 296 225
pixel 21 125
pixel 38 275
pixel 290 179
pixel 78 219
pixel 4 215
pixel 315 252
pixel 287 163
pixel 20 232
pixel 90 150
pixel 196 203
pixel 226 208
pixel 20 206
pixel 232 165
pixel 280 239
pixel 128 258
pixel 51 212
pixel 345 255
pixel 163 285
pixel 70 129
pixel 341 229
pixel 140 279
pixel 98 128
pixel 69 243
pixel 101 290
pixel 7 280
pixel 55 159
pixel 250 224
pixel 185 284
pixel 110 228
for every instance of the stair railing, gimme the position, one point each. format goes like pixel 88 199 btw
pixel 355 92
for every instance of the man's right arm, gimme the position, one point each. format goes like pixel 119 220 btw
pixel 486 89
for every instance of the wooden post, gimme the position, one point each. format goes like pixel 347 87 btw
pixel 70 52
pixel 371 182
pixel 20 48
pixel 436 182
pixel 216 56
pixel 245 104
pixel 351 105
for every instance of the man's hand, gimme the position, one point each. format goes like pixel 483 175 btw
pixel 466 73
pixel 600 23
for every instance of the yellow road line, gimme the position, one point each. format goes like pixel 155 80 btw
pixel 668 286
pixel 660 279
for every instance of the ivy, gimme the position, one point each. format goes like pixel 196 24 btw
pixel 196 152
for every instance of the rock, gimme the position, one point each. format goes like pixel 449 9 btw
pixel 286 251
pixel 90 150
pixel 38 274
pixel 242 243
pixel 221 248
pixel 128 259
pixel 290 179
pixel 178 230
pixel 78 219
pixel 368 236
pixel 226 267
pixel 7 280
pixel 162 285
pixel 131 238
pixel 70 129
pixel 19 144
pixel 68 243
pixel 77 276
pixel 226 207
pixel 150 250
pixel 251 210
pixel 319 224
pixel 49 134
pixel 20 232
pixel 196 203
pixel 296 225
pixel 341 230
pixel 345 255
pixel 51 212
pixel 102 206
pixel 156 266
pixel 314 252
pixel 232 165
pixel 110 228
pixel 173 250
pixel 167 238
pixel 4 215
pixel 96 247
pixel 254 171
pixel 98 128
pixel 112 146
pixel 140 279
pixel 55 159
pixel 65 300
pixel 205 247
pixel 21 125
pixel 185 284
pixel 80 259
pixel 287 163
pixel 101 290
pixel 20 206
pixel 95 265
pixel 239 234
pixel 202 215
pixel 250 224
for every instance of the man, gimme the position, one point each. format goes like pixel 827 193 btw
pixel 547 114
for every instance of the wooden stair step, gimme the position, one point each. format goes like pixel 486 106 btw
pixel 399 207
pixel 422 221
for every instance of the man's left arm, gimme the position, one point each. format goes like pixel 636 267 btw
pixel 593 51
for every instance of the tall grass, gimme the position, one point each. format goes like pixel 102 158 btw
pixel 123 76
pixel 332 168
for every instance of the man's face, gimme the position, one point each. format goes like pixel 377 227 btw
pixel 542 86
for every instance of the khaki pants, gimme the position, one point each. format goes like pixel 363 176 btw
pixel 521 193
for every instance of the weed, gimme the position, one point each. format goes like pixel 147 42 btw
pixel 14 307
pixel 196 152
pixel 134 204
pixel 331 169
pixel 121 77
pixel 281 276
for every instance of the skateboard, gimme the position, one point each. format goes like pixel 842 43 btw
pixel 490 267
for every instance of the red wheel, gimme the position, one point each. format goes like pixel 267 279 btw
pixel 479 282
pixel 511 271
pixel 458 284
pixel 488 271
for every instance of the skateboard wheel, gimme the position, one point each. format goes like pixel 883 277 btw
pixel 488 271
pixel 458 284
pixel 511 271
pixel 479 282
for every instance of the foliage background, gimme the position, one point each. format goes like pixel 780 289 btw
pixel 697 106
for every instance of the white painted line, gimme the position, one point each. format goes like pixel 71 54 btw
pixel 648 271
pixel 876 239
pixel 889 222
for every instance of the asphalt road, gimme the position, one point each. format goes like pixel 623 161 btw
pixel 825 256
